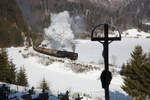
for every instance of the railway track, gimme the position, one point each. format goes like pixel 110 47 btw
pixel 74 65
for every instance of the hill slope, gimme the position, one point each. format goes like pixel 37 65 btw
pixel 123 13
pixel 12 24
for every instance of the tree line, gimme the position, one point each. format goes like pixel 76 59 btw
pixel 128 15
pixel 9 74
pixel 8 71
pixel 14 22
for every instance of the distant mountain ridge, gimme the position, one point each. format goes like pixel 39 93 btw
pixel 123 13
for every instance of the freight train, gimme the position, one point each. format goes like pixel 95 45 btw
pixel 57 53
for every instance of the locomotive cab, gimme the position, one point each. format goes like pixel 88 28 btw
pixel 66 54
pixel 75 56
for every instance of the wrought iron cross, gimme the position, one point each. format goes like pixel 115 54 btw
pixel 106 40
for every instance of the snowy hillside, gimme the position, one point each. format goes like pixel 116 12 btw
pixel 63 74
pixel 64 30
pixel 60 76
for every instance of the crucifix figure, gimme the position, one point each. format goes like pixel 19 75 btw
pixel 106 75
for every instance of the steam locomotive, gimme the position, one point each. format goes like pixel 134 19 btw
pixel 57 53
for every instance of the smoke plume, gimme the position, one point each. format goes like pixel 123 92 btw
pixel 59 33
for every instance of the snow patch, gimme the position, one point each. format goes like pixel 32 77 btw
pixel 134 33
pixel 147 23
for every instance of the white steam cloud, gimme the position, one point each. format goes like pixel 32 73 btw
pixel 59 33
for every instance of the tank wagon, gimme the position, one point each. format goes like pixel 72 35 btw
pixel 57 53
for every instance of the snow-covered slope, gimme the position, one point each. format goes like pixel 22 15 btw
pixel 62 78
pixel 60 75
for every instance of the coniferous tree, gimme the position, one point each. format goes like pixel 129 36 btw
pixel 11 77
pixel 44 85
pixel 21 77
pixel 7 68
pixel 3 65
pixel 137 75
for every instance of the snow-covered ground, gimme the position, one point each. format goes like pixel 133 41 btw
pixel 134 33
pixel 17 92
pixel 119 51
pixel 61 78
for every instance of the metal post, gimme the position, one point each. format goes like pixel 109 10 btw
pixel 106 60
